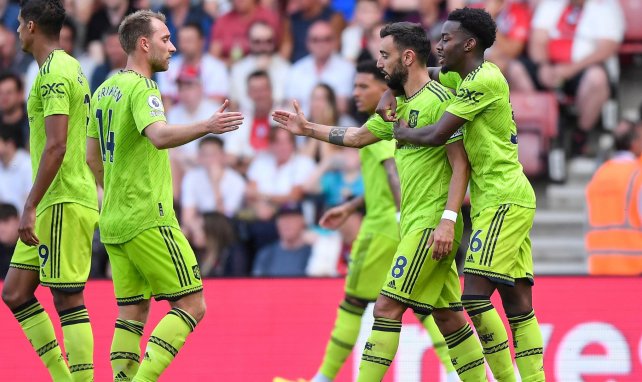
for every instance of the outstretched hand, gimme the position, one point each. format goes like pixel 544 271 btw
pixel 224 121
pixel 293 122
pixel 387 107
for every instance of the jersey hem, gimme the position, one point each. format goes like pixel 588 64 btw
pixel 129 236
pixel 42 207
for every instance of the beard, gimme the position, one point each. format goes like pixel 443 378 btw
pixel 397 79
pixel 158 63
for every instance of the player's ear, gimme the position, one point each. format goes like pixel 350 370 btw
pixel 408 57
pixel 470 44
pixel 31 26
pixel 144 43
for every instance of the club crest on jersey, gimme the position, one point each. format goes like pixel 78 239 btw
pixel 412 118
pixel 154 102
pixel 197 272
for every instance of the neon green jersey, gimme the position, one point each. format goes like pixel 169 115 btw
pixel 380 204
pixel 60 88
pixel 138 180
pixel 424 172
pixel 490 138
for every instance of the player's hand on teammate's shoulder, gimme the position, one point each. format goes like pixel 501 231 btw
pixel 293 122
pixel 399 130
pixel 387 107
pixel 224 121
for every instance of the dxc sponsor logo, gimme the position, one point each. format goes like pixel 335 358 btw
pixel 469 95
pixel 54 88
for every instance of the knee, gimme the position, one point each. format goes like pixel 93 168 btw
pixel 63 300
pixel 388 308
pixel 197 309
pixel 13 297
pixel 362 304
pixel 596 78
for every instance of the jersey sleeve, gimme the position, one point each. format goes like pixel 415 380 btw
pixel 55 91
pixel 472 98
pixel 146 104
pixel 450 79
pixel 379 128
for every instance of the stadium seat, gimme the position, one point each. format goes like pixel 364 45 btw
pixel 536 116
pixel 633 35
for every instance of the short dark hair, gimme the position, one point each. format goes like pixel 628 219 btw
pixel 135 26
pixel 478 23
pixel 72 27
pixel 11 76
pixel 258 74
pixel 211 139
pixel 407 35
pixel 8 211
pixel 194 25
pixel 47 14
pixel 624 139
pixel 370 67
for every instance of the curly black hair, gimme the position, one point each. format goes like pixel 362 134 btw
pixel 49 15
pixel 478 23
pixel 407 35
pixel 370 67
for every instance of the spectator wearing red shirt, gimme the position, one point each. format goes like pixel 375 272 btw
pixel 229 35
pixel 573 47
pixel 513 18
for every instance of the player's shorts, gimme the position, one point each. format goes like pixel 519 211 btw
pixel 420 282
pixel 500 246
pixel 63 257
pixel 158 262
pixel 370 260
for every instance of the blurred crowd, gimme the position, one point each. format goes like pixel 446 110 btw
pixel 249 200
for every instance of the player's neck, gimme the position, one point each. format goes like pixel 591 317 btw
pixel 140 66
pixel 469 65
pixel 417 79
pixel 42 49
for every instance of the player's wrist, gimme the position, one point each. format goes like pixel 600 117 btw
pixel 449 215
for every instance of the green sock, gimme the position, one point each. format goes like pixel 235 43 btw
pixel 79 343
pixel 529 346
pixel 380 349
pixel 466 354
pixel 493 336
pixel 438 342
pixel 39 330
pixel 342 340
pixel 166 340
pixel 125 349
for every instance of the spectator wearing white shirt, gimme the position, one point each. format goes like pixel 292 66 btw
pixel 322 65
pixel 211 188
pixel 15 171
pixel 213 72
pixel 573 46
pixel 262 56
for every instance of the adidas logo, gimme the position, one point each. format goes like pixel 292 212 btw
pixel 392 285
pixel 470 259
pixel 121 377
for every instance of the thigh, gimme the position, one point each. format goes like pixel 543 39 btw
pixel 495 249
pixel 166 261
pixel 370 260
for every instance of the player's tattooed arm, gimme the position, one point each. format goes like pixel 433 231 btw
pixel 336 135
pixel 432 135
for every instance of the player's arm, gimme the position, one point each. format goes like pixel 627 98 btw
pixel 393 181
pixel 95 160
pixel 432 135
pixel 444 235
pixel 50 162
pixel 165 136
pixel 336 216
pixel 297 124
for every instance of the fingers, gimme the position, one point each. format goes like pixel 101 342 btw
pixel 231 118
pixel 297 108
pixel 28 236
pixel 391 116
pixel 224 106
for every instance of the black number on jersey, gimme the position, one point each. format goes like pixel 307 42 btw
pixel 106 137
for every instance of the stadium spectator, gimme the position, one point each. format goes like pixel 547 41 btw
pixel 180 13
pixel 9 14
pixel 353 39
pixel 15 171
pixel 373 40
pixel 115 59
pixel 213 71
pixel 13 114
pixel 11 58
pixel 322 65
pixel 289 256
pixel 262 56
pixel 308 12
pixel 253 136
pixel 211 186
pixel 513 18
pixel 107 17
pixel 573 47
pixel 614 204
pixel 9 223
pixel 229 35
pixel 68 36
